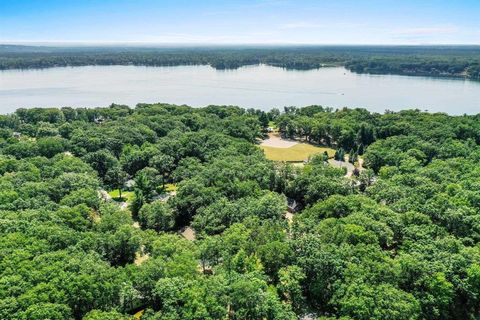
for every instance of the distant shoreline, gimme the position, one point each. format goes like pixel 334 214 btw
pixel 461 62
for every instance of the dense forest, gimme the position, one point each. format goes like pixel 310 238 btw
pixel 399 239
pixel 438 61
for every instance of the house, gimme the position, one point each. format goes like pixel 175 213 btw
pixel 17 135
pixel 293 206
pixel 99 119
pixel 130 184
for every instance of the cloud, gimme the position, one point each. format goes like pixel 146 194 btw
pixel 260 4
pixel 427 35
pixel 191 38
pixel 316 25
pixel 426 31
pixel 302 25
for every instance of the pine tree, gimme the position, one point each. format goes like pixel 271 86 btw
pixel 360 149
pixel 325 155
pixel 341 154
pixel 354 158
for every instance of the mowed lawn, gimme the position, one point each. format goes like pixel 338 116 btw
pixel 127 196
pixel 296 153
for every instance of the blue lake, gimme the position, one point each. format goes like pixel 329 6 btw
pixel 261 87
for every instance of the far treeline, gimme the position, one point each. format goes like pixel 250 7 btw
pixel 436 61
pixel 399 240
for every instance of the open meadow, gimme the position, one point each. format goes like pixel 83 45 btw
pixel 296 153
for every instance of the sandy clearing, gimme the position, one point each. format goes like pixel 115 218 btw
pixel 289 217
pixel 275 141
pixel 140 256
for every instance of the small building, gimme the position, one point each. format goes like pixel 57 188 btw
pixel 293 206
pixel 17 135
pixel 99 120
pixel 130 184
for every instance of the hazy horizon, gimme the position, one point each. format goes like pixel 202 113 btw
pixel 133 44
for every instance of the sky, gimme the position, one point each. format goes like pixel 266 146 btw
pixel 241 22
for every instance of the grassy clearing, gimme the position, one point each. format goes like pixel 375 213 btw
pixel 127 196
pixel 170 187
pixel 139 314
pixel 296 153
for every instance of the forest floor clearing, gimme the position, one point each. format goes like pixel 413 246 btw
pixel 289 217
pixel 188 233
pixel 171 187
pixel 141 257
pixel 139 314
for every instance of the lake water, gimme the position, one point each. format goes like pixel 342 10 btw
pixel 261 87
